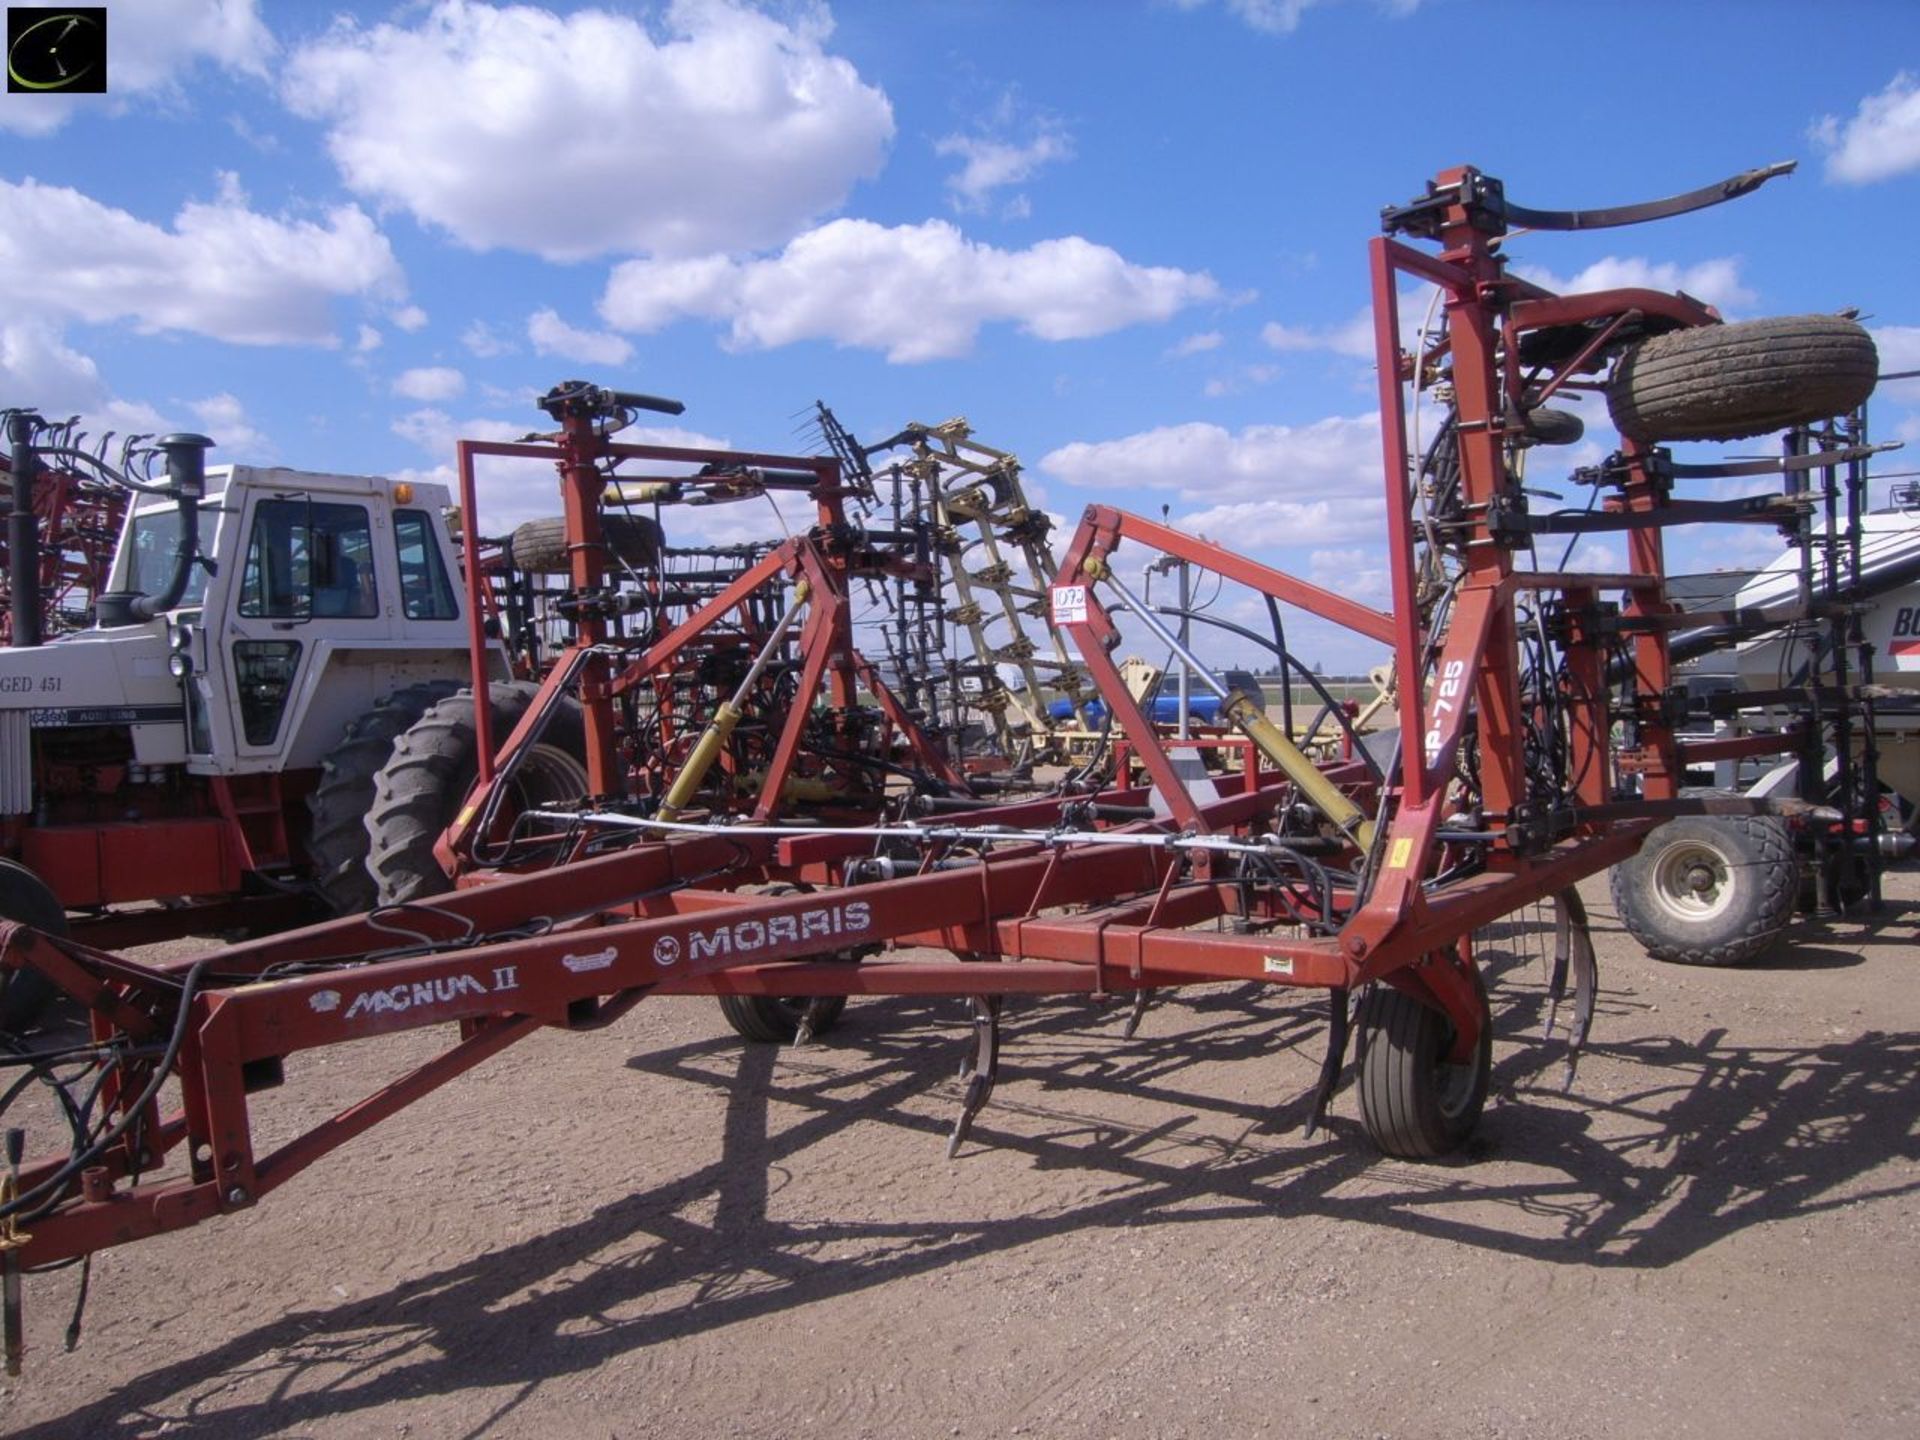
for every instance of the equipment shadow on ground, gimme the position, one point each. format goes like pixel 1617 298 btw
pixel 1708 1138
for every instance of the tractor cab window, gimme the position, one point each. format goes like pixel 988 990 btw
pixel 425 591
pixel 153 542
pixel 307 560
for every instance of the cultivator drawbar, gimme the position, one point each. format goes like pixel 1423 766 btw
pixel 786 833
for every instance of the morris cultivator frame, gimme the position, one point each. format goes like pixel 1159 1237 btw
pixel 1534 746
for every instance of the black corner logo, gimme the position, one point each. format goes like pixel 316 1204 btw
pixel 60 49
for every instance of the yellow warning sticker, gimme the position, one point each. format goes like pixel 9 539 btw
pixel 1399 853
pixel 466 814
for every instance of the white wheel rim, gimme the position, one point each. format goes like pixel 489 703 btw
pixel 1692 882
pixel 548 775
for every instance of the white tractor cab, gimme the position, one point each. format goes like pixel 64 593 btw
pixel 215 736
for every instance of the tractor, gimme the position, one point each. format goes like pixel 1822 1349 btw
pixel 200 758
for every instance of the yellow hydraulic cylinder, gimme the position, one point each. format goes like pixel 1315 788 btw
pixel 726 715
pixel 694 772
pixel 1244 711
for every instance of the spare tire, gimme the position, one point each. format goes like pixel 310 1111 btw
pixel 540 546
pixel 1547 426
pixel 1725 382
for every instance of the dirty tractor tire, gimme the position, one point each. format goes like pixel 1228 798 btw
pixel 25 994
pixel 1725 382
pixel 540 546
pixel 337 841
pixel 435 763
pixel 1709 889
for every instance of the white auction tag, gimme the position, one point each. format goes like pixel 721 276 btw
pixel 1069 604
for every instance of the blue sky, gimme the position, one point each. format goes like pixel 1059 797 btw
pixel 1126 239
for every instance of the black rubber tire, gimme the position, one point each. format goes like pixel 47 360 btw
pixel 1414 1104
pixel 25 994
pixel 1750 857
pixel 337 838
pixel 1549 426
pixel 427 776
pixel 540 546
pixel 1725 382
pixel 775 1019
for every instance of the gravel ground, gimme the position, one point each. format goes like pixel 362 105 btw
pixel 656 1231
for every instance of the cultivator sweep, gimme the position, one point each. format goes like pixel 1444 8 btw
pixel 766 821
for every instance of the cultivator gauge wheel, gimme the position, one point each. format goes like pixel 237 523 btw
pixel 1416 1103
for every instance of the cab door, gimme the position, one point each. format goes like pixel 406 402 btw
pixel 308 583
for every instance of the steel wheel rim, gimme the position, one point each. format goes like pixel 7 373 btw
pixel 1692 882
pixel 548 775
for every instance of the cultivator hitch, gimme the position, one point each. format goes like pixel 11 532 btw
pixel 767 822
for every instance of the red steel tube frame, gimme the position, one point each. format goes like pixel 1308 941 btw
pixel 651 919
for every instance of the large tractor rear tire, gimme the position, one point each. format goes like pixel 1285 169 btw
pixel 337 842
pixel 1726 382
pixel 1709 889
pixel 25 994
pixel 435 763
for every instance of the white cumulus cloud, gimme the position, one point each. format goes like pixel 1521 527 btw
pixel 1354 338
pixel 480 340
pixel 1330 458
pixel 1716 281
pixel 917 292
pixel 1197 344
pixel 39 370
pixel 429 383
pixel 553 336
pixel 586 134
pixel 1282 17
pixel 1880 140
pixel 512 490
pixel 226 422
pixel 990 163
pixel 1899 347
pixel 152 47
pixel 221 269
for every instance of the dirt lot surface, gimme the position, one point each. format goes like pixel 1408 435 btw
pixel 656 1231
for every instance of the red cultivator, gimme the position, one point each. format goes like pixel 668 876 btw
pixel 796 838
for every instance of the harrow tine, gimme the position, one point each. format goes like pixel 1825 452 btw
pixel 1573 955
pixel 1562 953
pixel 1141 999
pixel 980 1067
pixel 1339 1013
